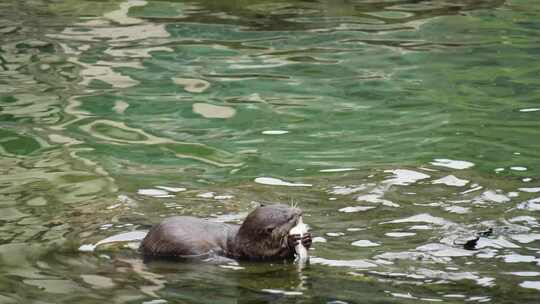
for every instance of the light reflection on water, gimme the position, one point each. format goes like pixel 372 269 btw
pixel 404 129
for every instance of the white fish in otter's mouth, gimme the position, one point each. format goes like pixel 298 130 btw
pixel 299 248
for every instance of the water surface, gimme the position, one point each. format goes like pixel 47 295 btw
pixel 402 128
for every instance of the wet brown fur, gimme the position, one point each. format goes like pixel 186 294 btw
pixel 262 236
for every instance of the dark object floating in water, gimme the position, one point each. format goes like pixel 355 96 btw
pixel 486 233
pixel 264 235
pixel 471 244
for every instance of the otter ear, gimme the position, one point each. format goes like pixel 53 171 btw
pixel 259 204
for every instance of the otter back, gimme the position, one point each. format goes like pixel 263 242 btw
pixel 184 236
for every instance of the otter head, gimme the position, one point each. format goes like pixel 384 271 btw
pixel 264 233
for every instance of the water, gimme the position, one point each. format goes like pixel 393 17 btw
pixel 401 128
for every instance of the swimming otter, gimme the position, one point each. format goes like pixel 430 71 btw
pixel 264 235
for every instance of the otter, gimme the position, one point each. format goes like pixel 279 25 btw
pixel 264 235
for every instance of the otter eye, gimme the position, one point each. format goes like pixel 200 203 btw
pixel 269 229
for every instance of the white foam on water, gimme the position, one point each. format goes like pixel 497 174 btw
pixel 493 196
pixel 335 233
pixel 530 110
pixel 144 52
pixel 356 209
pixel 457 209
pixel 442 250
pixel 278 182
pixel 114 206
pixel 274 132
pixel 106 226
pixel 518 258
pixel 337 302
pixel 131 236
pixel 421 227
pixel 114 34
pixel 454 296
pixel 486 281
pixel 157 301
pixel 412 256
pixel 152 192
pixel 233 267
pixel 206 195
pixel 453 164
pixel 405 177
pixel 487 254
pixel 171 189
pixel 500 242
pixel 530 190
pixel 266 64
pixel 457 276
pixel 399 234
pixel 527 219
pixel 402 295
pixel 518 168
pixel 451 180
pixel 424 217
pixel 531 284
pixel 513 194
pixel 472 189
pixel 526 238
pixel 121 15
pixel 342 190
pixel 398 274
pixel 87 248
pixel 431 300
pixel 234 217
pixel 376 198
pixel 318 239
pixel 343 263
pixel 223 197
pixel 338 170
pixel 479 299
pixel 531 205
pixel 525 273
pixel 283 292
pixel 199 86
pixel 213 111
pixel 124 199
pixel 365 243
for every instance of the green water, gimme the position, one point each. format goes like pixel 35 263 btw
pixel 401 128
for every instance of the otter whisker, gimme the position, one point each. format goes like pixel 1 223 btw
pixel 293 203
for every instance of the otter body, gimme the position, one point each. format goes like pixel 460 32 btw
pixel 263 235
pixel 183 236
